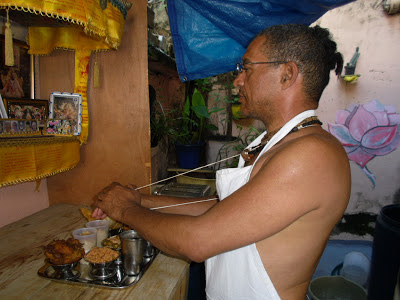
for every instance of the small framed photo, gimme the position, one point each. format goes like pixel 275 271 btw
pixel 7 126
pixel 18 126
pixel 60 127
pixel 28 109
pixel 67 106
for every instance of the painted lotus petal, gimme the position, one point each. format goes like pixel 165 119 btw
pixel 385 150
pixel 382 118
pixel 342 133
pixel 390 109
pixel 374 106
pixel 350 149
pixel 361 122
pixel 394 119
pixel 341 116
pixel 379 137
pixel 360 157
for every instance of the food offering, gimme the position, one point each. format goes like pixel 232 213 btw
pixel 114 226
pixel 102 265
pixel 113 242
pixel 87 237
pixel 102 260
pixel 63 256
pixel 61 252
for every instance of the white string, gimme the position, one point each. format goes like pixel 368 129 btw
pixel 179 204
pixel 162 180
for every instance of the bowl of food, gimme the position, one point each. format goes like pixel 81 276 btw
pixel 102 261
pixel 113 242
pixel 64 255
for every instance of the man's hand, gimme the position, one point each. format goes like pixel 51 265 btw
pixel 114 199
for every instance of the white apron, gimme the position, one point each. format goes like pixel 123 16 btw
pixel 240 273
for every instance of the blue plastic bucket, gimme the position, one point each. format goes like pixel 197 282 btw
pixel 188 156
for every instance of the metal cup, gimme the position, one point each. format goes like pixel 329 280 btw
pixel 148 250
pixel 133 246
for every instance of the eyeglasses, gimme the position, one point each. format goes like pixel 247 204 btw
pixel 240 68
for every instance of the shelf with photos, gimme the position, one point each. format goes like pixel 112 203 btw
pixel 39 138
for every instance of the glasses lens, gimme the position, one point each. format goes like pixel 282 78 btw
pixel 239 68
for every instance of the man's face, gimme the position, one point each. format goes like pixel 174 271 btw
pixel 257 83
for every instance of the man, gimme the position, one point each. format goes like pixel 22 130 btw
pixel 266 236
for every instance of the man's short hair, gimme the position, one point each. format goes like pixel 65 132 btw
pixel 311 48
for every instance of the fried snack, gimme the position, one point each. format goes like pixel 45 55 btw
pixel 61 252
pixel 101 255
pixel 87 213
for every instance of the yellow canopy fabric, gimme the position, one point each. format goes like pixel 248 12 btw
pixel 104 24
pixel 31 159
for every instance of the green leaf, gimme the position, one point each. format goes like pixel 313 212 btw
pixel 197 98
pixel 211 127
pixel 201 111
pixel 186 108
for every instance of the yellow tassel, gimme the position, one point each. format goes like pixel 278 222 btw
pixel 96 75
pixel 9 51
pixel 38 181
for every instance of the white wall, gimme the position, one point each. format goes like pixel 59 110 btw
pixel 21 200
pixel 361 24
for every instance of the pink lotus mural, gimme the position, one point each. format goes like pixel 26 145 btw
pixel 367 131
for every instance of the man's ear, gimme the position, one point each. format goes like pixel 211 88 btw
pixel 290 72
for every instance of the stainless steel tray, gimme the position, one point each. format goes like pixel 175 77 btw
pixel 184 190
pixel 82 274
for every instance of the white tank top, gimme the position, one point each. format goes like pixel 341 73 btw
pixel 240 273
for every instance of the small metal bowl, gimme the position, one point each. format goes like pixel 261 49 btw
pixel 66 271
pixel 103 271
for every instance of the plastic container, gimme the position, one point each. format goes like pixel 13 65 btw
pixel 385 260
pixel 356 267
pixel 337 288
pixel 87 237
pixel 102 230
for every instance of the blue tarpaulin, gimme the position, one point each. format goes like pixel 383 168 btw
pixel 211 36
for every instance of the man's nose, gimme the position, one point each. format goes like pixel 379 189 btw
pixel 238 82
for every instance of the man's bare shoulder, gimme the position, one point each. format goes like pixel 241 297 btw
pixel 318 145
pixel 313 163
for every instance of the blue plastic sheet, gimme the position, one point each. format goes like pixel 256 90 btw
pixel 211 36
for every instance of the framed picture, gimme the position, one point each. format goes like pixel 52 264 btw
pixel 3 113
pixel 18 126
pixel 60 127
pixel 28 109
pixel 15 81
pixel 67 106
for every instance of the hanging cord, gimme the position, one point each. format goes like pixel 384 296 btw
pixel 186 203
pixel 162 180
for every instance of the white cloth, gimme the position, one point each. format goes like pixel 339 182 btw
pixel 240 273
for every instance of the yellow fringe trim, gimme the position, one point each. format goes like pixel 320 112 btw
pixel 39 140
pixel 37 177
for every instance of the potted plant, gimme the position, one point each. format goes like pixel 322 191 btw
pixel 190 129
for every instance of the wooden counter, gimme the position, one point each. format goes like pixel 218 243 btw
pixel 21 256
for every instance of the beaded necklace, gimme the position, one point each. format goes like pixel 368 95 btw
pixel 249 153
